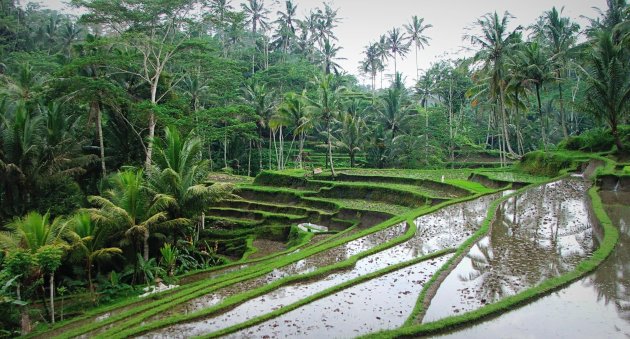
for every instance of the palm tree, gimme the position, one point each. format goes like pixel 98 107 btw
pixel 88 242
pixel 326 107
pixel 256 14
pixel 425 88
pixel 352 133
pixel 561 34
pixel 329 54
pixel 537 71
pixel 397 45
pixel 294 109
pixel 372 64
pixel 394 112
pixel 416 29
pixel 494 43
pixel 178 172
pixel 608 91
pixel 130 209
pixel 45 240
pixel 383 53
pixel 286 24
pixel 262 101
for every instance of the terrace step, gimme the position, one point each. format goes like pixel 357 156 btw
pixel 256 215
pixel 273 208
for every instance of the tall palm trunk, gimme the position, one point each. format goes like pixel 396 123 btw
pixel 52 296
pixel 96 111
pixel 147 162
pixel 301 153
pixel 542 120
pixel 330 158
pixel 506 134
pixel 145 239
pixel 563 123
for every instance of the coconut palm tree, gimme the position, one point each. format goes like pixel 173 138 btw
pixel 88 241
pixel 416 29
pixel 397 45
pixel 178 172
pixel 256 14
pixel 608 92
pixel 495 42
pixel 329 57
pixel 262 101
pixel 352 133
pixel 372 64
pixel 130 209
pixel 286 25
pixel 45 240
pixel 326 107
pixel 294 109
pixel 561 34
pixel 537 72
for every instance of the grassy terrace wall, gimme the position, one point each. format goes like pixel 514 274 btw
pixel 422 183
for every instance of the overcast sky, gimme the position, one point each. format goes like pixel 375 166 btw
pixel 363 21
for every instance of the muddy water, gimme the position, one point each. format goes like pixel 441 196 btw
pixel 381 303
pixel 266 247
pixel 303 266
pixel 541 233
pixel 597 306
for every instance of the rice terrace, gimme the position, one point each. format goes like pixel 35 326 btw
pixel 307 169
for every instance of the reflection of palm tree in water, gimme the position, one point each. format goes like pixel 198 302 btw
pixel 611 279
pixel 516 254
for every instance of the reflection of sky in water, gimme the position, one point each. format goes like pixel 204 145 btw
pixel 597 306
pixel 538 234
pixel 381 303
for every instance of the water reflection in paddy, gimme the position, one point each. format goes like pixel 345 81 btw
pixel 541 233
pixel 597 306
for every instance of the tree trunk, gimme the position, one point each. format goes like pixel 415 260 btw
pixel 270 148
pixel 615 133
pixel 146 244
pixel 426 134
pixel 96 110
pixel 52 297
pixel 25 319
pixel 506 134
pixel 301 153
pixel 147 163
pixel 332 166
pixel 563 123
pixel 542 120
pixel 225 165
pixel 90 281
pixel 249 159
pixel 417 70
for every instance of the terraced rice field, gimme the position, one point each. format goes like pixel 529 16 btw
pixel 399 250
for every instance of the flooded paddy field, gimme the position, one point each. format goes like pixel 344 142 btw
pixel 596 306
pixel 541 233
pixel 381 303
